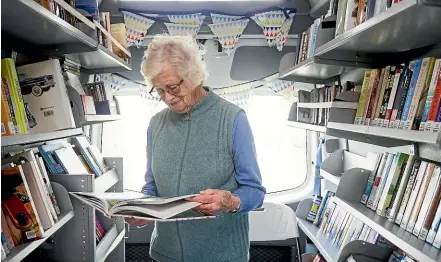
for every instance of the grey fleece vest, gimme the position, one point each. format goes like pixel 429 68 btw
pixel 193 152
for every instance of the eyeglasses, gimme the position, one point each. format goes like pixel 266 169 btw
pixel 159 93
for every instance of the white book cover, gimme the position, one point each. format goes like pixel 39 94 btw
pixel 393 173
pixel 98 157
pixel 428 198
pixel 437 240
pixel 408 191
pixel 401 188
pixel 393 94
pixel 70 161
pixel 45 96
pixel 340 226
pixel 420 198
pixel 383 181
pixel 414 194
pixel 133 204
pixel 48 186
pixel 333 218
pixel 338 221
pixel 434 228
pixel 377 179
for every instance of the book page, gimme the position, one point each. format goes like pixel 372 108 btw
pixel 159 211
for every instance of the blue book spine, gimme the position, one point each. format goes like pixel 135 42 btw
pixel 411 90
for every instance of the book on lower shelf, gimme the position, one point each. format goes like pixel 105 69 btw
pixel 138 205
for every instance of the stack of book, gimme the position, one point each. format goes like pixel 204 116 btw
pixel 407 190
pixel 99 231
pixel 307 42
pixel 79 158
pixel 353 13
pixel 34 98
pixel 319 116
pixel 29 206
pixel 402 97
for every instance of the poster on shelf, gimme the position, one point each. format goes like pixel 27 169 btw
pixel 228 33
pixel 137 26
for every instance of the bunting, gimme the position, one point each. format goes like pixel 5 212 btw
pixel 182 30
pixel 275 25
pixel 283 88
pixel 219 19
pixel 228 33
pixel 189 19
pixel 237 94
pixel 113 81
pixel 136 27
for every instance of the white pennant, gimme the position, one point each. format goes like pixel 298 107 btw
pixel 136 27
pixel 228 33
pixel 182 30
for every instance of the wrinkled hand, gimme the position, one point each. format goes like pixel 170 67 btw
pixel 136 222
pixel 214 200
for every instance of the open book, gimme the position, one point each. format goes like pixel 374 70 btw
pixel 138 205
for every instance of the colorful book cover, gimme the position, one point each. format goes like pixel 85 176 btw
pixel 383 85
pixel 410 92
pixel 7 126
pixel 377 180
pixel 408 191
pixel 363 98
pixel 386 96
pixel 432 96
pixel 435 226
pixel 18 207
pixel 370 182
pixel 393 94
pixel 382 184
pixel 400 98
pixel 373 87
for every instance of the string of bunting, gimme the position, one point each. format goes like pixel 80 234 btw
pixel 274 21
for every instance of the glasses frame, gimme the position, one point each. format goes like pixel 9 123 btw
pixel 167 89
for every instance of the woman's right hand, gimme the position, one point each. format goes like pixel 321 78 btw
pixel 137 222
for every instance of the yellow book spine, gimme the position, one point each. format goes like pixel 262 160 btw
pixel 10 75
pixel 362 100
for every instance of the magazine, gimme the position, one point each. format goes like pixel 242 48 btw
pixel 138 205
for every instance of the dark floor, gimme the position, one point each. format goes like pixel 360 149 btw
pixel 140 253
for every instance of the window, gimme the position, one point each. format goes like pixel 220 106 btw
pixel 281 150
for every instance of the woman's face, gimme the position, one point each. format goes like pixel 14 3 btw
pixel 168 77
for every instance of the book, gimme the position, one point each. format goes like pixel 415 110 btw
pixel 383 180
pixel 436 101
pixel 414 195
pixel 137 205
pixel 408 191
pixel 363 98
pixel 428 199
pixel 410 92
pixel 437 240
pixel 435 226
pixel 393 94
pixel 69 160
pixel 401 96
pixel 371 178
pixel 386 96
pixel 377 180
pixel 82 144
pixel 382 88
pixel 45 95
pixel 420 197
pixel 50 191
pixel 430 95
pixel 7 125
pixel 98 158
pixel 371 95
pixel 18 206
pixel 401 187
pixel 323 206
pixel 7 232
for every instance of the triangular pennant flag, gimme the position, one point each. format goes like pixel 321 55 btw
pixel 228 33
pixel 188 19
pixel 282 36
pixel 272 22
pixel 181 30
pixel 238 95
pixel 283 88
pixel 136 27
pixel 219 19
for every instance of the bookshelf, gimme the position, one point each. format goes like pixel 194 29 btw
pixel 39 137
pixel 98 119
pixel 406 241
pixel 311 127
pixel 335 104
pixel 371 44
pixel 20 252
pixel 59 37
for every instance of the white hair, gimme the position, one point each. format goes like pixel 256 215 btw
pixel 180 52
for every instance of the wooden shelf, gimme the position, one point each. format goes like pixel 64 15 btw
pixel 306 126
pixel 20 252
pixel 406 241
pixel 40 137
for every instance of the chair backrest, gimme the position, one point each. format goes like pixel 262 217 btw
pixel 275 222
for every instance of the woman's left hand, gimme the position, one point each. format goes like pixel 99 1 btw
pixel 214 200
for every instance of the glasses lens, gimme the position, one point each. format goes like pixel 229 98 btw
pixel 157 93
pixel 174 89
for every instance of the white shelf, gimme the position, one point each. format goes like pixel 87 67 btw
pixel 20 252
pixel 99 119
pixel 40 137
pixel 108 244
pixel 396 134
pixel 331 178
pixel 335 104
pixel 306 126
pixel 326 247
pixel 106 181
pixel 406 241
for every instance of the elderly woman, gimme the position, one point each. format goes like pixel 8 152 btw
pixel 199 144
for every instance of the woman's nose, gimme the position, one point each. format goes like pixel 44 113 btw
pixel 168 97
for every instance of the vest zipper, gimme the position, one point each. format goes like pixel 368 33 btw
pixel 187 119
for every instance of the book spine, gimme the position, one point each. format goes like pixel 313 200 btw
pixel 383 182
pixel 370 182
pixel 435 226
pixel 428 199
pixel 420 197
pixel 430 94
pixel 383 84
pixel 436 100
pixel 390 103
pixel 400 97
pixel 436 127
pixel 386 96
pixel 408 191
pixel 437 240
pixel 421 102
pixel 382 203
pixel 376 98
pixel 9 109
pixel 372 96
pixel 401 185
pixel 377 180
pixel 392 190
pixel 362 101
pixel 413 196
pixel 410 92
pixel 432 212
